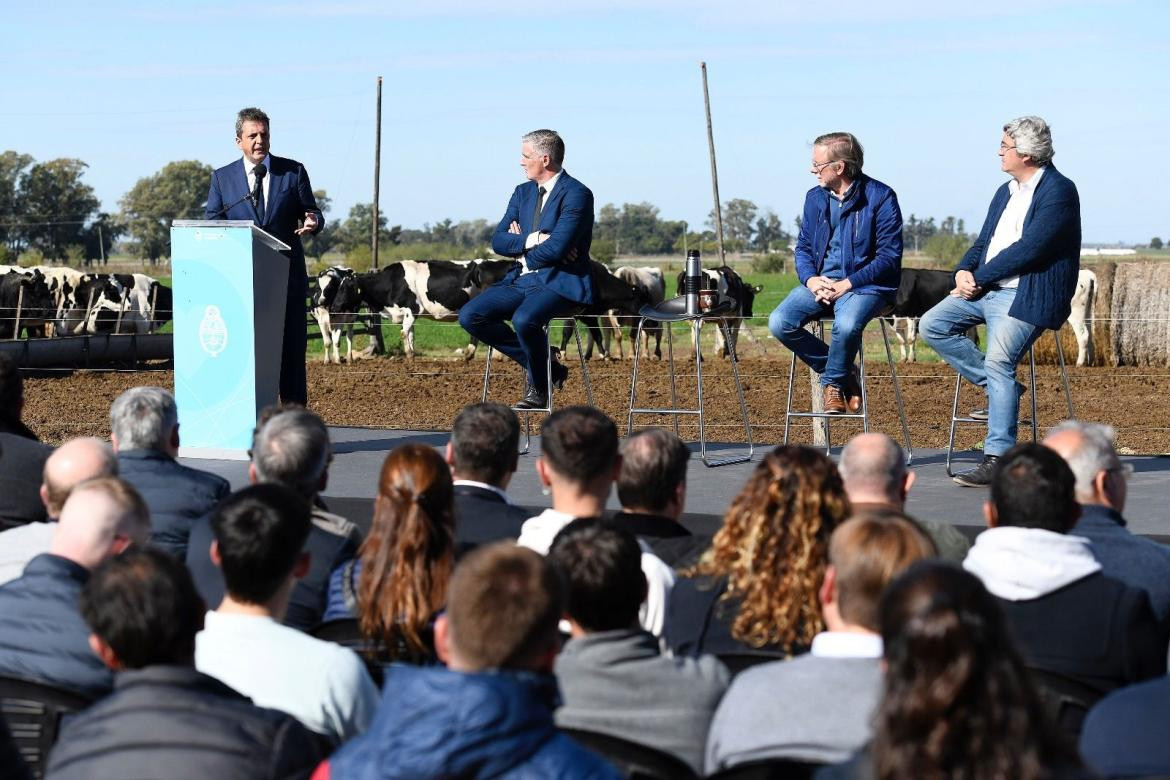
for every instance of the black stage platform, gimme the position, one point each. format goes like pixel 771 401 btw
pixel 359 452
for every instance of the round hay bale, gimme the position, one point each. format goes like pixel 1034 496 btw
pixel 1141 314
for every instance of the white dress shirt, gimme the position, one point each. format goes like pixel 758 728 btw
pixel 249 171
pixel 1010 227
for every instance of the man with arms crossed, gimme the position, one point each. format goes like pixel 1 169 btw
pixel 274 192
pixel 549 227
pixel 1018 277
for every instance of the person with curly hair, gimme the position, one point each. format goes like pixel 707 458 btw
pixel 398 582
pixel 957 701
pixel 753 595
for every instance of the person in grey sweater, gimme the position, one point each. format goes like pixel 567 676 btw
pixel 613 678
pixel 818 707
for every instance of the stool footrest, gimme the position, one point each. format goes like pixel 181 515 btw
pixel 830 415
pixel 665 411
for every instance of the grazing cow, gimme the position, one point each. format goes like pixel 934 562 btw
pixel 335 307
pixel 1079 318
pixel 649 283
pixel 919 291
pixel 121 303
pixel 434 288
pixel 729 286
pixel 610 295
pixel 25 295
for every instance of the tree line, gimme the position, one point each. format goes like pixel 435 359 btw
pixel 46 208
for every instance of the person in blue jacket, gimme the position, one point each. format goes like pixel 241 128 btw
pixel 1018 278
pixel 849 260
pixel 489 712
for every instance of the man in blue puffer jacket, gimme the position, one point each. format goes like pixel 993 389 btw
pixel 849 260
pixel 489 713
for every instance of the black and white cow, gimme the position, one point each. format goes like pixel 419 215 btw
pixel 919 291
pixel 1080 316
pixel 483 274
pixel 729 286
pixel 122 303
pixel 335 306
pixel 433 288
pixel 649 282
pixel 611 297
pixel 25 296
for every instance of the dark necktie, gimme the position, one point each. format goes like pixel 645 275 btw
pixel 539 205
pixel 260 199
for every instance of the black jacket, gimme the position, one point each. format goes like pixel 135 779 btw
pixel 698 621
pixel 176 495
pixel 482 516
pixel 669 539
pixel 42 635
pixel 22 463
pixel 174 722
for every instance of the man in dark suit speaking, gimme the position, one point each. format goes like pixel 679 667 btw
pixel 548 226
pixel 274 192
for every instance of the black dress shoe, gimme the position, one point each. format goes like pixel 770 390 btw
pixel 533 399
pixel 980 476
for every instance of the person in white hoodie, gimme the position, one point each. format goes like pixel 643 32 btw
pixel 578 464
pixel 1075 626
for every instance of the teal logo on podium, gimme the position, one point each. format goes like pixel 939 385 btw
pixel 213 334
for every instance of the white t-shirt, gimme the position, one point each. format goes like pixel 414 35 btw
pixel 323 685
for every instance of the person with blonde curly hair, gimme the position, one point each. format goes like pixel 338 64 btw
pixel 398 582
pixel 753 595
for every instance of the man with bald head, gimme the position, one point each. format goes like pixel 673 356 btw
pixel 1101 491
pixel 42 635
pixel 873 468
pixel 74 462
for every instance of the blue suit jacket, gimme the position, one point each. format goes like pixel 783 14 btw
pixel 567 216
pixel 289 196
pixel 1047 258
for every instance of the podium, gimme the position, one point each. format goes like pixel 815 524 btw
pixel 229 282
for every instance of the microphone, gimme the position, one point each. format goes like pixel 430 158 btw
pixel 260 171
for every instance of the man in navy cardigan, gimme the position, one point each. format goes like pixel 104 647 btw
pixel 1018 277
pixel 549 226
pixel 849 260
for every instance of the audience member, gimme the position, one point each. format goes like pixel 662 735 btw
pixel 398 584
pixel 578 463
pixel 1068 618
pixel 22 456
pixel 873 468
pixel 613 678
pixel 1124 735
pixel 957 699
pixel 259 544
pixel 837 684
pixel 164 719
pixel 652 487
pixel 42 635
pixel 489 713
pixel 290 448
pixel 1101 491
pixel 483 456
pixel 753 594
pixel 144 429
pixel 74 462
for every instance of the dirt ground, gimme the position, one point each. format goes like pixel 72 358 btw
pixel 427 393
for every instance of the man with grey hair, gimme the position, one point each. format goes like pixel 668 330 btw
pixel 1018 278
pixel 548 225
pixel 1101 491
pixel 873 470
pixel 652 488
pixel 144 429
pixel 290 447
pixel 849 260
pixel 74 462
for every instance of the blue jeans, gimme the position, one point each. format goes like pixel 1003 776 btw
pixel 851 312
pixel 530 305
pixel 1007 341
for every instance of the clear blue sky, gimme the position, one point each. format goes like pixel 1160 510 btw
pixel 128 87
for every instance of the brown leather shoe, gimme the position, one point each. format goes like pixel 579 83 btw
pixel 834 402
pixel 852 390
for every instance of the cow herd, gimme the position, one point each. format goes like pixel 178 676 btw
pixel 45 301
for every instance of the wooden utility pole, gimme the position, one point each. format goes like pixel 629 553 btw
pixel 377 172
pixel 714 172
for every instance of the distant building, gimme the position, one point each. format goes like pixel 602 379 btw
pixel 1106 251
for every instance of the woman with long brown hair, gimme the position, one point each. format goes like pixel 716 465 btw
pixel 398 582
pixel 754 591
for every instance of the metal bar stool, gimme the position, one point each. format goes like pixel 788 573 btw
pixel 570 321
pixel 956 419
pixel 668 312
pixel 863 415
